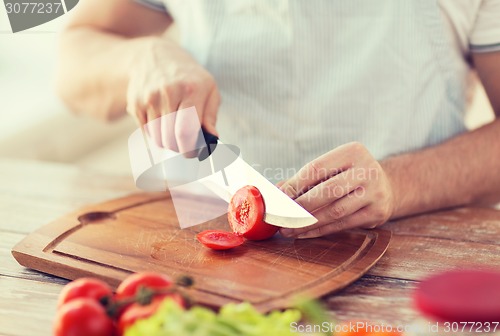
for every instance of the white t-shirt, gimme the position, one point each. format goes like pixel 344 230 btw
pixel 299 78
pixel 473 25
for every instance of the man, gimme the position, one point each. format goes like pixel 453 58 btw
pixel 368 96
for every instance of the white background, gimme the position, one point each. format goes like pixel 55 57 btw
pixel 34 123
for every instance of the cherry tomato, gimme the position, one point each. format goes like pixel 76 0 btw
pixel 83 317
pixel 137 312
pixel 129 287
pixel 246 215
pixel 84 288
pixel 219 240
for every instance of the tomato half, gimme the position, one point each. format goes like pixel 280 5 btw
pixel 246 215
pixel 137 312
pixel 219 240
pixel 83 317
pixel 84 288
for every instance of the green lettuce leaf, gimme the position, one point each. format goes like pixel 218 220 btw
pixel 232 320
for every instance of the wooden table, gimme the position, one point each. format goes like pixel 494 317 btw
pixel 34 193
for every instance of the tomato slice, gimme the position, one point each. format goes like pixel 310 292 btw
pixel 461 295
pixel 219 240
pixel 246 215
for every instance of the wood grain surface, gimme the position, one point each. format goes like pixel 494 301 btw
pixel 141 233
pixel 32 193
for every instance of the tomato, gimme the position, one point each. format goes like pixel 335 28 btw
pixel 219 240
pixel 137 312
pixel 129 287
pixel 83 317
pixel 246 215
pixel 84 288
pixel 461 295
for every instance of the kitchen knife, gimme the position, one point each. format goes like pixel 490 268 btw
pixel 281 210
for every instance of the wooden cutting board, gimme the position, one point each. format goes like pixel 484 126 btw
pixel 140 233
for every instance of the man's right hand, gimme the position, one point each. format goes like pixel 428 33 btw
pixel 165 79
pixel 130 65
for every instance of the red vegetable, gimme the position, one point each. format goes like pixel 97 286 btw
pixel 246 215
pixel 219 240
pixel 83 317
pixel 461 295
pixel 130 286
pixel 84 288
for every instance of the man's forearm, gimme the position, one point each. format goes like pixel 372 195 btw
pixel 94 68
pixel 463 170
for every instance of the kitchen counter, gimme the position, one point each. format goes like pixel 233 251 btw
pixel 34 193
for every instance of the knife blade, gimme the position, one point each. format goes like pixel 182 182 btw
pixel 281 210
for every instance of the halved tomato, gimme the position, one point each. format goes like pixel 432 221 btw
pixel 219 240
pixel 246 215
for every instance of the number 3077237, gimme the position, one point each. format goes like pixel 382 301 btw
pixel 33 7
pixel 477 327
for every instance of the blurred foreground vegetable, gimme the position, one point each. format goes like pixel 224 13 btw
pixel 233 319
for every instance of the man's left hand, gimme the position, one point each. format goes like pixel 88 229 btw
pixel 345 188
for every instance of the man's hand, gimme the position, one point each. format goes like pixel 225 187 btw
pixel 166 79
pixel 345 188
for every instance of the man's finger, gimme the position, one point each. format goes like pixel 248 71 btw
pixel 188 125
pixel 209 118
pixel 169 102
pixel 355 220
pixel 330 190
pixel 280 183
pixel 330 164
pixel 138 111
pixel 187 131
pixel 337 210
pixel 341 208
pixel 154 125
pixel 168 132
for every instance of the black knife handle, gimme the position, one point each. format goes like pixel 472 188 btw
pixel 210 139
pixel 206 151
pixel 210 144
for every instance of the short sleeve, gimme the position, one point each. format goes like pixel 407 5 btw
pixel 153 4
pixel 485 33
